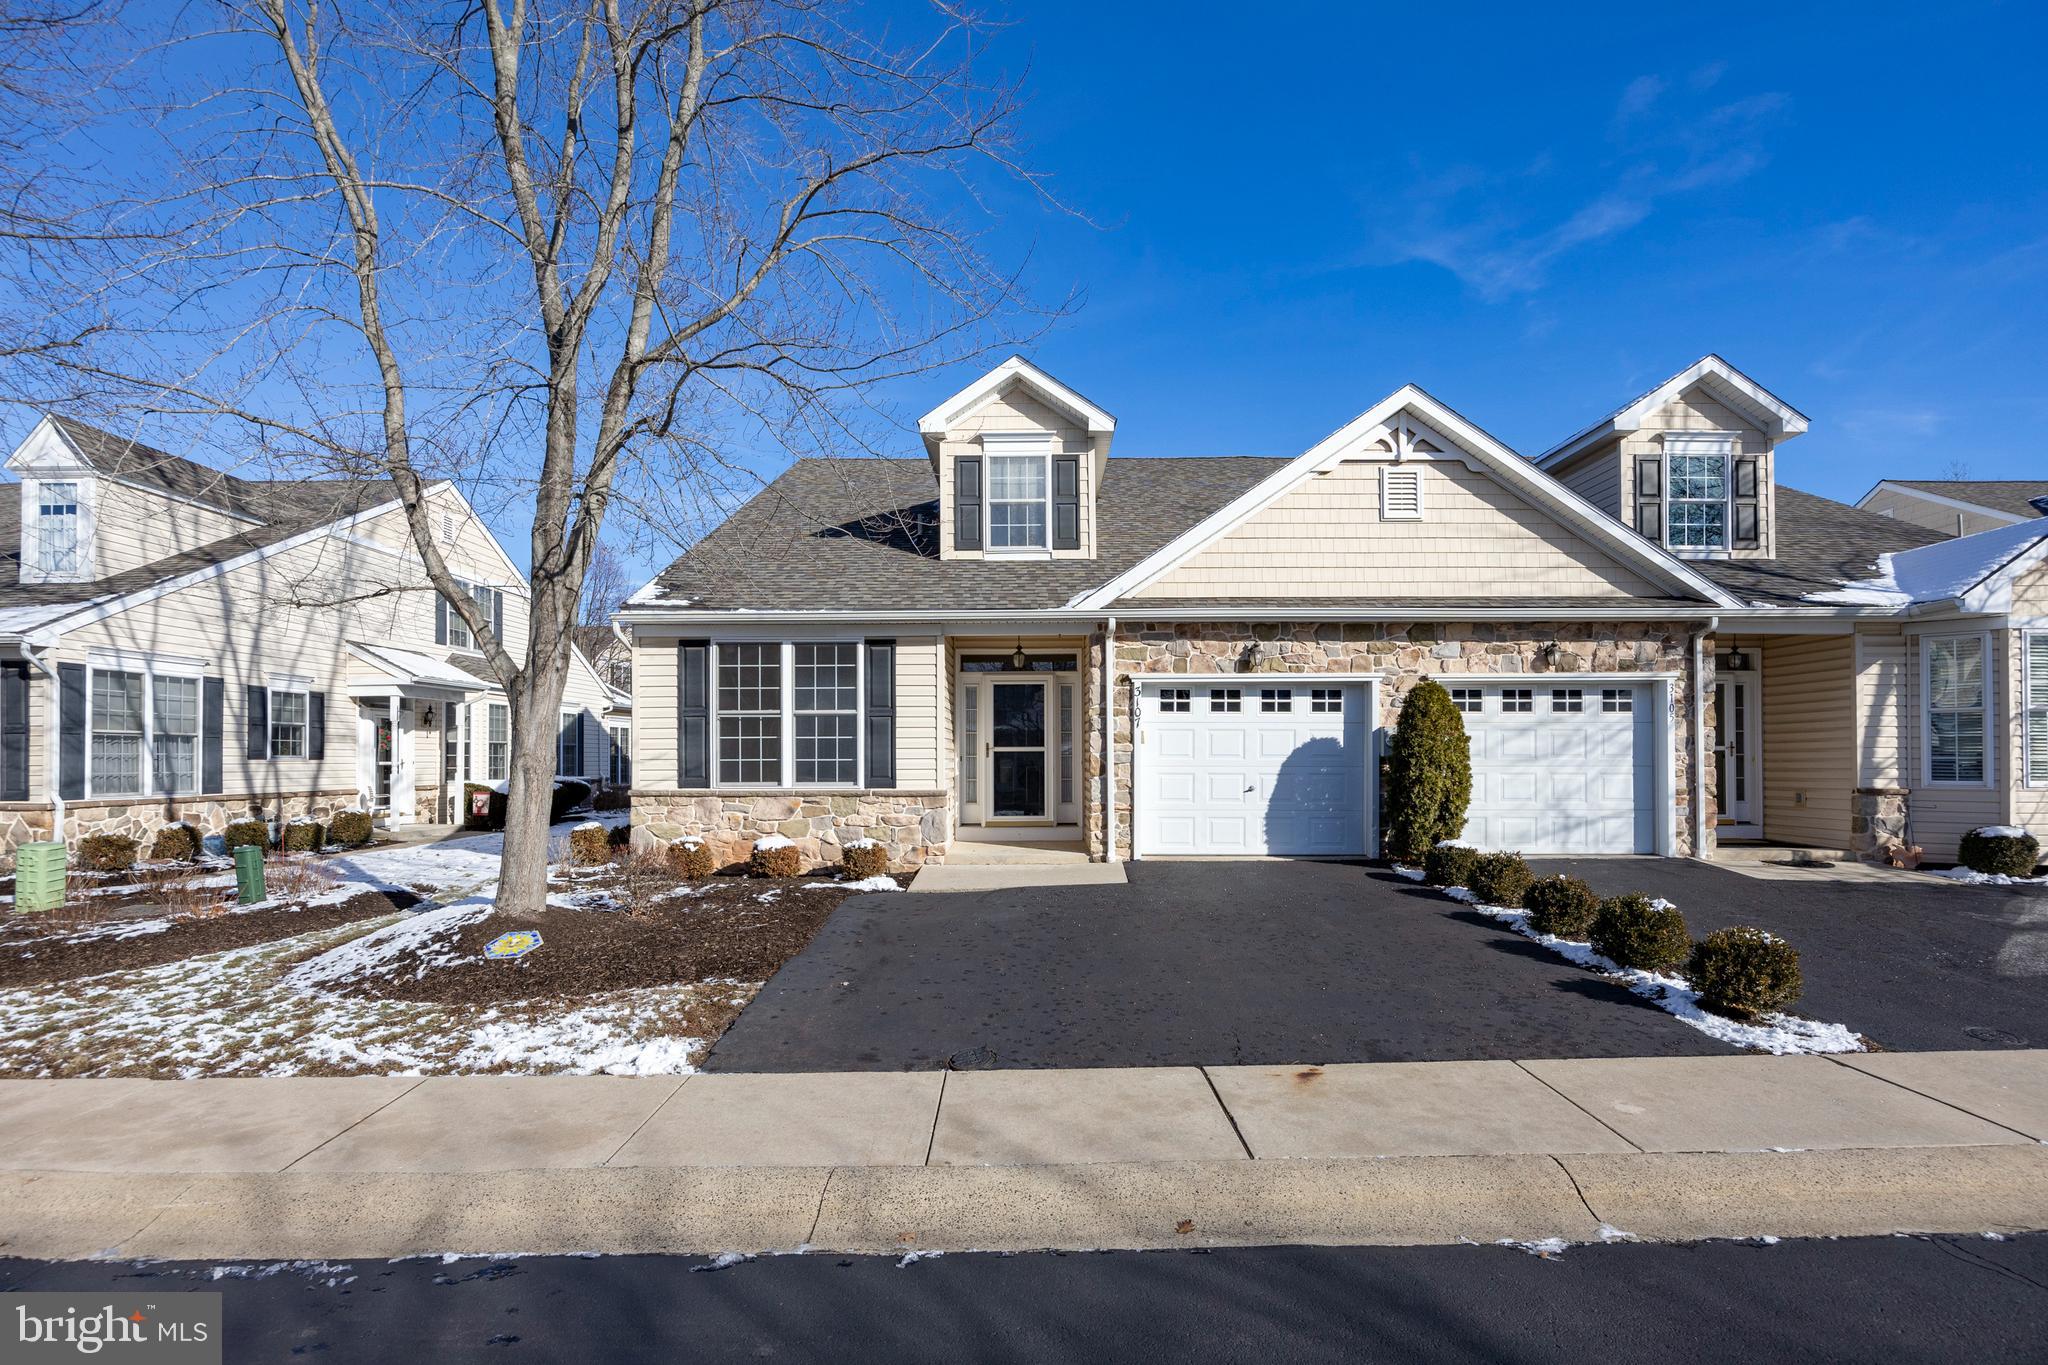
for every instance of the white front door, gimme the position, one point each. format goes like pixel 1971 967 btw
pixel 1736 717
pixel 1253 765
pixel 1565 767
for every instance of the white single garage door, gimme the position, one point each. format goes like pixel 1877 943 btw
pixel 1561 768
pixel 1243 766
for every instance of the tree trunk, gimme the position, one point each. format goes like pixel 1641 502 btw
pixel 536 711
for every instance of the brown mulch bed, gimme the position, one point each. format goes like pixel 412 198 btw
pixel 28 961
pixel 727 932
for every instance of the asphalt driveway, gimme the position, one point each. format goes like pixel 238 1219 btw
pixel 1913 964
pixel 1189 964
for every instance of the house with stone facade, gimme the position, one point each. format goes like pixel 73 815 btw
pixel 1658 644
pixel 178 643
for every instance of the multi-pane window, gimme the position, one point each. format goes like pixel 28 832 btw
pixel 1276 699
pixel 827 683
pixel 1517 699
pixel 117 715
pixel 1699 501
pixel 174 740
pixel 498 744
pixel 1226 699
pixel 1567 699
pixel 1955 709
pixel 750 714
pixel 287 724
pixel 459 634
pixel 621 737
pixel 569 745
pixel 451 748
pixel 1467 699
pixel 1617 700
pixel 1173 699
pixel 1019 497
pixel 57 528
pixel 1329 700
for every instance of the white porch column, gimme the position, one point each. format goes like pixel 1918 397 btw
pixel 401 762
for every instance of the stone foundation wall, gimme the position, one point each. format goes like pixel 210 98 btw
pixel 915 827
pixel 140 819
pixel 1402 655
pixel 1877 821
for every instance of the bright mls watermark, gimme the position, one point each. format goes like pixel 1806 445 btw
pixel 170 1329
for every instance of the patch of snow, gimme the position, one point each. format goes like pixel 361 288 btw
pixel 726 1260
pixel 911 1258
pixel 429 936
pixel 767 896
pixel 864 884
pixel 1971 877
pixel 1413 874
pixel 1938 572
pixel 1459 893
pixel 2000 831
pixel 860 843
pixel 1456 843
pixel 775 841
pixel 1546 1247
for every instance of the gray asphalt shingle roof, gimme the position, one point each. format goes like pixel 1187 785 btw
pixel 1822 544
pixel 2000 495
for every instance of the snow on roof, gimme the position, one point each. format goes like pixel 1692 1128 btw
pixel 1944 570
pixel 410 666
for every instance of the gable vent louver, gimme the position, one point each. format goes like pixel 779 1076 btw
pixel 1401 494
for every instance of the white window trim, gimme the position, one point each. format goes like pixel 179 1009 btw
pixel 280 687
pixel 32 570
pixel 1725 444
pixel 1989 708
pixel 1411 473
pixel 2028 721
pixel 150 671
pixel 1008 444
pixel 490 709
pixel 568 713
pixel 786 774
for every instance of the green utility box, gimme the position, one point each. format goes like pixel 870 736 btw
pixel 39 876
pixel 249 874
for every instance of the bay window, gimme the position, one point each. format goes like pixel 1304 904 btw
pixel 827 714
pixel 1955 688
pixel 117 729
pixel 1019 501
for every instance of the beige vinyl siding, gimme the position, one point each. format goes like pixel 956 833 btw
pixel 132 527
pixel 1883 724
pixel 919 692
pixel 2029 803
pixel 1938 817
pixel 1696 412
pixel 1809 739
pixel 1325 538
pixel 1596 477
pixel 1016 411
pixel 1906 506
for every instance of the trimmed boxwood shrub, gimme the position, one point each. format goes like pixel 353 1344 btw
pixel 1429 773
pixel 590 842
pixel 864 858
pixel 303 836
pixel 569 794
pixel 350 828
pixel 1449 864
pixel 775 860
pixel 106 853
pixel 1500 879
pixel 1630 931
pixel 1561 906
pixel 688 858
pixel 2001 854
pixel 1744 972
pixel 612 798
pixel 175 844
pixel 246 832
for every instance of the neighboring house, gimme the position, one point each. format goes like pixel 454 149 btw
pixel 618 729
pixel 1018 637
pixel 178 643
pixel 1959 507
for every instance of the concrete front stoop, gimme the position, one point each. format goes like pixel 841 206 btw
pixel 1397 1153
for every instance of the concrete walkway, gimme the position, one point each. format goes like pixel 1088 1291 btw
pixel 1677 1147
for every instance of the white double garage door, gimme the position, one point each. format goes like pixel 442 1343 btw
pixel 1251 766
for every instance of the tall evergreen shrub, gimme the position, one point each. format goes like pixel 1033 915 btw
pixel 1429 773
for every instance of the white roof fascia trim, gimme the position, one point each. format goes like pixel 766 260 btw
pixel 939 420
pixel 1589 520
pixel 1886 485
pixel 100 608
pixel 1791 421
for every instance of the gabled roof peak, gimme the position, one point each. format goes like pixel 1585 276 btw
pixel 1096 421
pixel 1731 387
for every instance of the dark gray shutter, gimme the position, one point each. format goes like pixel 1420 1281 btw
pixel 71 704
pixel 440 619
pixel 498 614
pixel 693 712
pixel 1650 497
pixel 1746 502
pixel 967 502
pixel 213 705
pixel 257 732
pixel 1066 504
pixel 881 708
pixel 316 725
pixel 14 731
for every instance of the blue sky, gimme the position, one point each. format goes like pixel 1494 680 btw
pixel 1536 218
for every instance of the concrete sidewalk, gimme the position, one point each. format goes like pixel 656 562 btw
pixel 1401 1152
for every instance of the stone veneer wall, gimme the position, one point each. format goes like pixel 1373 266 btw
pixel 23 822
pixel 916 827
pixel 1877 821
pixel 1403 654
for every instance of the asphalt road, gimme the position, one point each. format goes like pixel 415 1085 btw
pixel 1897 1299
pixel 1914 965
pixel 1189 964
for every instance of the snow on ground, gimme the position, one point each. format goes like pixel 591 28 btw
pixel 240 1013
pixel 1774 1033
pixel 1971 877
pixel 864 884
pixel 429 937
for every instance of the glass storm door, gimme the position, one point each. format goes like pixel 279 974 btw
pixel 1016 750
pixel 1734 750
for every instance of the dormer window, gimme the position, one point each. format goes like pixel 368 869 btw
pixel 1699 502
pixel 1019 494
pixel 1699 497
pixel 56 539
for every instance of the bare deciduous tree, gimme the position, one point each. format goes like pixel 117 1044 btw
pixel 575 254
pixel 604 592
